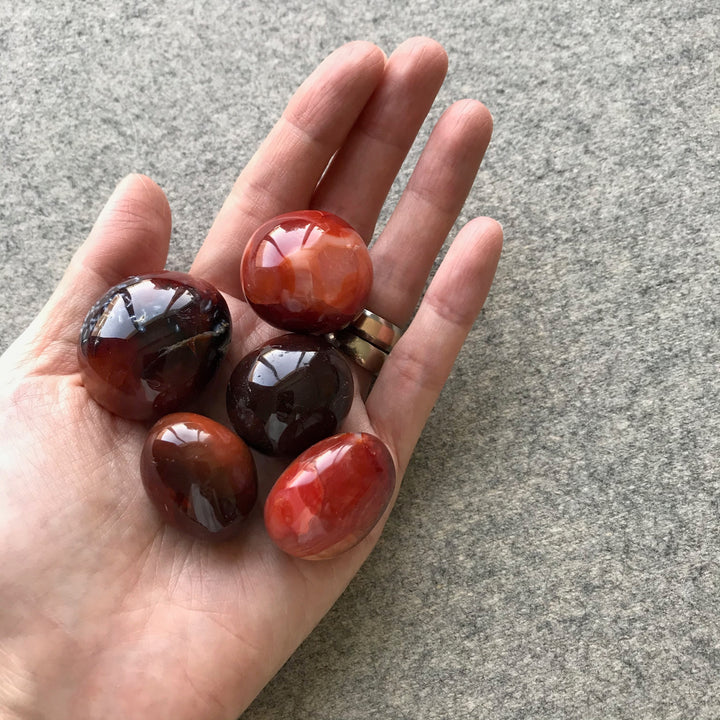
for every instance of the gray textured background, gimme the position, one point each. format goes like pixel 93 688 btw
pixel 554 551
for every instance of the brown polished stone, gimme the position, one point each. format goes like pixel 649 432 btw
pixel 200 476
pixel 152 343
pixel 289 393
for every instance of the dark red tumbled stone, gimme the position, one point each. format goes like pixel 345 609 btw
pixel 330 497
pixel 289 393
pixel 306 271
pixel 200 476
pixel 152 343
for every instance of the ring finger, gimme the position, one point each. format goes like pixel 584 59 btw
pixel 356 184
pixel 404 253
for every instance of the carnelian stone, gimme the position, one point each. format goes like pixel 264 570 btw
pixel 330 497
pixel 200 476
pixel 151 343
pixel 306 271
pixel 289 393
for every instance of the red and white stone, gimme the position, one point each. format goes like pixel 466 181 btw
pixel 331 496
pixel 306 271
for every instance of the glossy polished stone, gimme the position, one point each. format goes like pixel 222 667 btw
pixel 306 271
pixel 200 476
pixel 289 393
pixel 151 343
pixel 330 497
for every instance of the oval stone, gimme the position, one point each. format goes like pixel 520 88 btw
pixel 152 343
pixel 330 497
pixel 200 476
pixel 289 393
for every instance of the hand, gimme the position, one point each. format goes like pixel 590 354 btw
pixel 106 612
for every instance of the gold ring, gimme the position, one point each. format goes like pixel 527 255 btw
pixel 376 330
pixel 365 354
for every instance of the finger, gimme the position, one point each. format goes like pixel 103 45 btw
pixel 130 237
pixel 416 370
pixel 359 177
pixel 283 174
pixel 404 253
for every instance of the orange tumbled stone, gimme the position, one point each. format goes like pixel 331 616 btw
pixel 306 271
pixel 331 496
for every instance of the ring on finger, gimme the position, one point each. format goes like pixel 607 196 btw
pixel 376 330
pixel 367 340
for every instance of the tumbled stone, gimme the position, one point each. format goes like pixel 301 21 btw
pixel 331 496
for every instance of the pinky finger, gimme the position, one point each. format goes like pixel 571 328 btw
pixel 414 374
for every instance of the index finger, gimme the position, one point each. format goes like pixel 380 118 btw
pixel 283 173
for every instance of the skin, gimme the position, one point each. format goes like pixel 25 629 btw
pixel 106 612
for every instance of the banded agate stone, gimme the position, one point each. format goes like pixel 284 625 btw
pixel 306 271
pixel 200 476
pixel 331 496
pixel 152 343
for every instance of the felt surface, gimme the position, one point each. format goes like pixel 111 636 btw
pixel 554 550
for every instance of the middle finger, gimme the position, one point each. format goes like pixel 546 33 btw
pixel 357 182
pixel 284 172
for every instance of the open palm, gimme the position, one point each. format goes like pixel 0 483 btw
pixel 106 612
